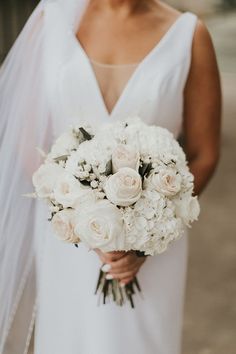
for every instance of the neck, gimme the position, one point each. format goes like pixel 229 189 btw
pixel 128 6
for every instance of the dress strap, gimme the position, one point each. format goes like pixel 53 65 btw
pixel 176 49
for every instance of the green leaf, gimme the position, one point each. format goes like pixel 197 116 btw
pixel 86 135
pixel 108 170
pixel 61 158
pixel 145 169
pixel 52 214
pixel 85 183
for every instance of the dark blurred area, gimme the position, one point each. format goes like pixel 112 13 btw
pixel 210 316
pixel 13 14
pixel 229 3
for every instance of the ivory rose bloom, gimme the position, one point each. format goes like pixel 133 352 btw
pixel 187 208
pixel 100 225
pixel 125 156
pixel 165 181
pixel 64 144
pixel 63 225
pixel 124 187
pixel 45 177
pixel 68 190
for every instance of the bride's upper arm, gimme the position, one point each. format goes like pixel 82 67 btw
pixel 202 109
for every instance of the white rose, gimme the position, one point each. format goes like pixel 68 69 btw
pixel 165 181
pixel 124 187
pixel 68 191
pixel 100 225
pixel 45 177
pixel 187 208
pixel 63 225
pixel 64 144
pixel 125 156
pixel 73 164
pixel 187 179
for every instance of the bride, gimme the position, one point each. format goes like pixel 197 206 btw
pixel 97 61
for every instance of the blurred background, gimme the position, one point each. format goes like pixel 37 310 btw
pixel 210 315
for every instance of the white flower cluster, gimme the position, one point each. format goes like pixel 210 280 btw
pixel 122 186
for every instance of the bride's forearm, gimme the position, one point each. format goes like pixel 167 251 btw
pixel 202 170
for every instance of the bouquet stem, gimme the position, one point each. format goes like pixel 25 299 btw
pixel 110 289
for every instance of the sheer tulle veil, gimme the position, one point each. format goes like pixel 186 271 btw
pixel 24 124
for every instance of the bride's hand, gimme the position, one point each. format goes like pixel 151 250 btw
pixel 124 266
pixel 108 257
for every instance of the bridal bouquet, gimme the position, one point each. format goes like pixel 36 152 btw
pixel 120 186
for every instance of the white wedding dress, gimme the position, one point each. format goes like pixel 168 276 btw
pixel 67 318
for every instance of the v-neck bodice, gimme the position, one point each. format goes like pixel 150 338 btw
pixel 80 90
pixel 112 80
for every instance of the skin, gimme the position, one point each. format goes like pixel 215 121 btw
pixel 137 25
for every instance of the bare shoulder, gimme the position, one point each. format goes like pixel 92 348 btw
pixel 202 37
pixel 203 84
pixel 203 51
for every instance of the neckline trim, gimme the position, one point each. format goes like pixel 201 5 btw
pixel 95 62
